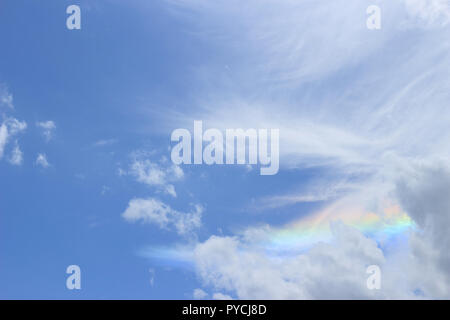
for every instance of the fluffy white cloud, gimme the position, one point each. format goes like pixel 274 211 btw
pixel 156 212
pixel 157 174
pixel 8 129
pixel 327 271
pixel 3 138
pixel 47 128
pixel 336 269
pixel 42 161
pixel 423 191
pixel 16 156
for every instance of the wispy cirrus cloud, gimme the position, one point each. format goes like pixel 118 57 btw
pixel 104 142
pixel 319 192
pixel 327 76
pixel 429 12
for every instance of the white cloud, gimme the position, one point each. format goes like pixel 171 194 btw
pixel 160 175
pixel 327 271
pixel 325 118
pixel 105 190
pixel 105 142
pixel 3 138
pixel 16 156
pixel 41 160
pixel 121 172
pixel 15 126
pixel 47 129
pixel 336 269
pixel 153 211
pixel 152 277
pixel 199 294
pixel 8 129
pixel 6 98
pixel 320 191
pixel 423 191
pixel 221 296
pixel 430 12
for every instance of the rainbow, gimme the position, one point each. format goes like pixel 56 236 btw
pixel 384 225
pixel 304 232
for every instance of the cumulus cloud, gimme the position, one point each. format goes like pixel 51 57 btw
pixel 8 129
pixel 414 268
pixel 153 211
pixel 16 156
pixel 3 138
pixel 156 174
pixel 423 192
pixel 327 271
pixel 41 160
pixel 47 128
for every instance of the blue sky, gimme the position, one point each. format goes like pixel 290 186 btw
pixel 86 176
